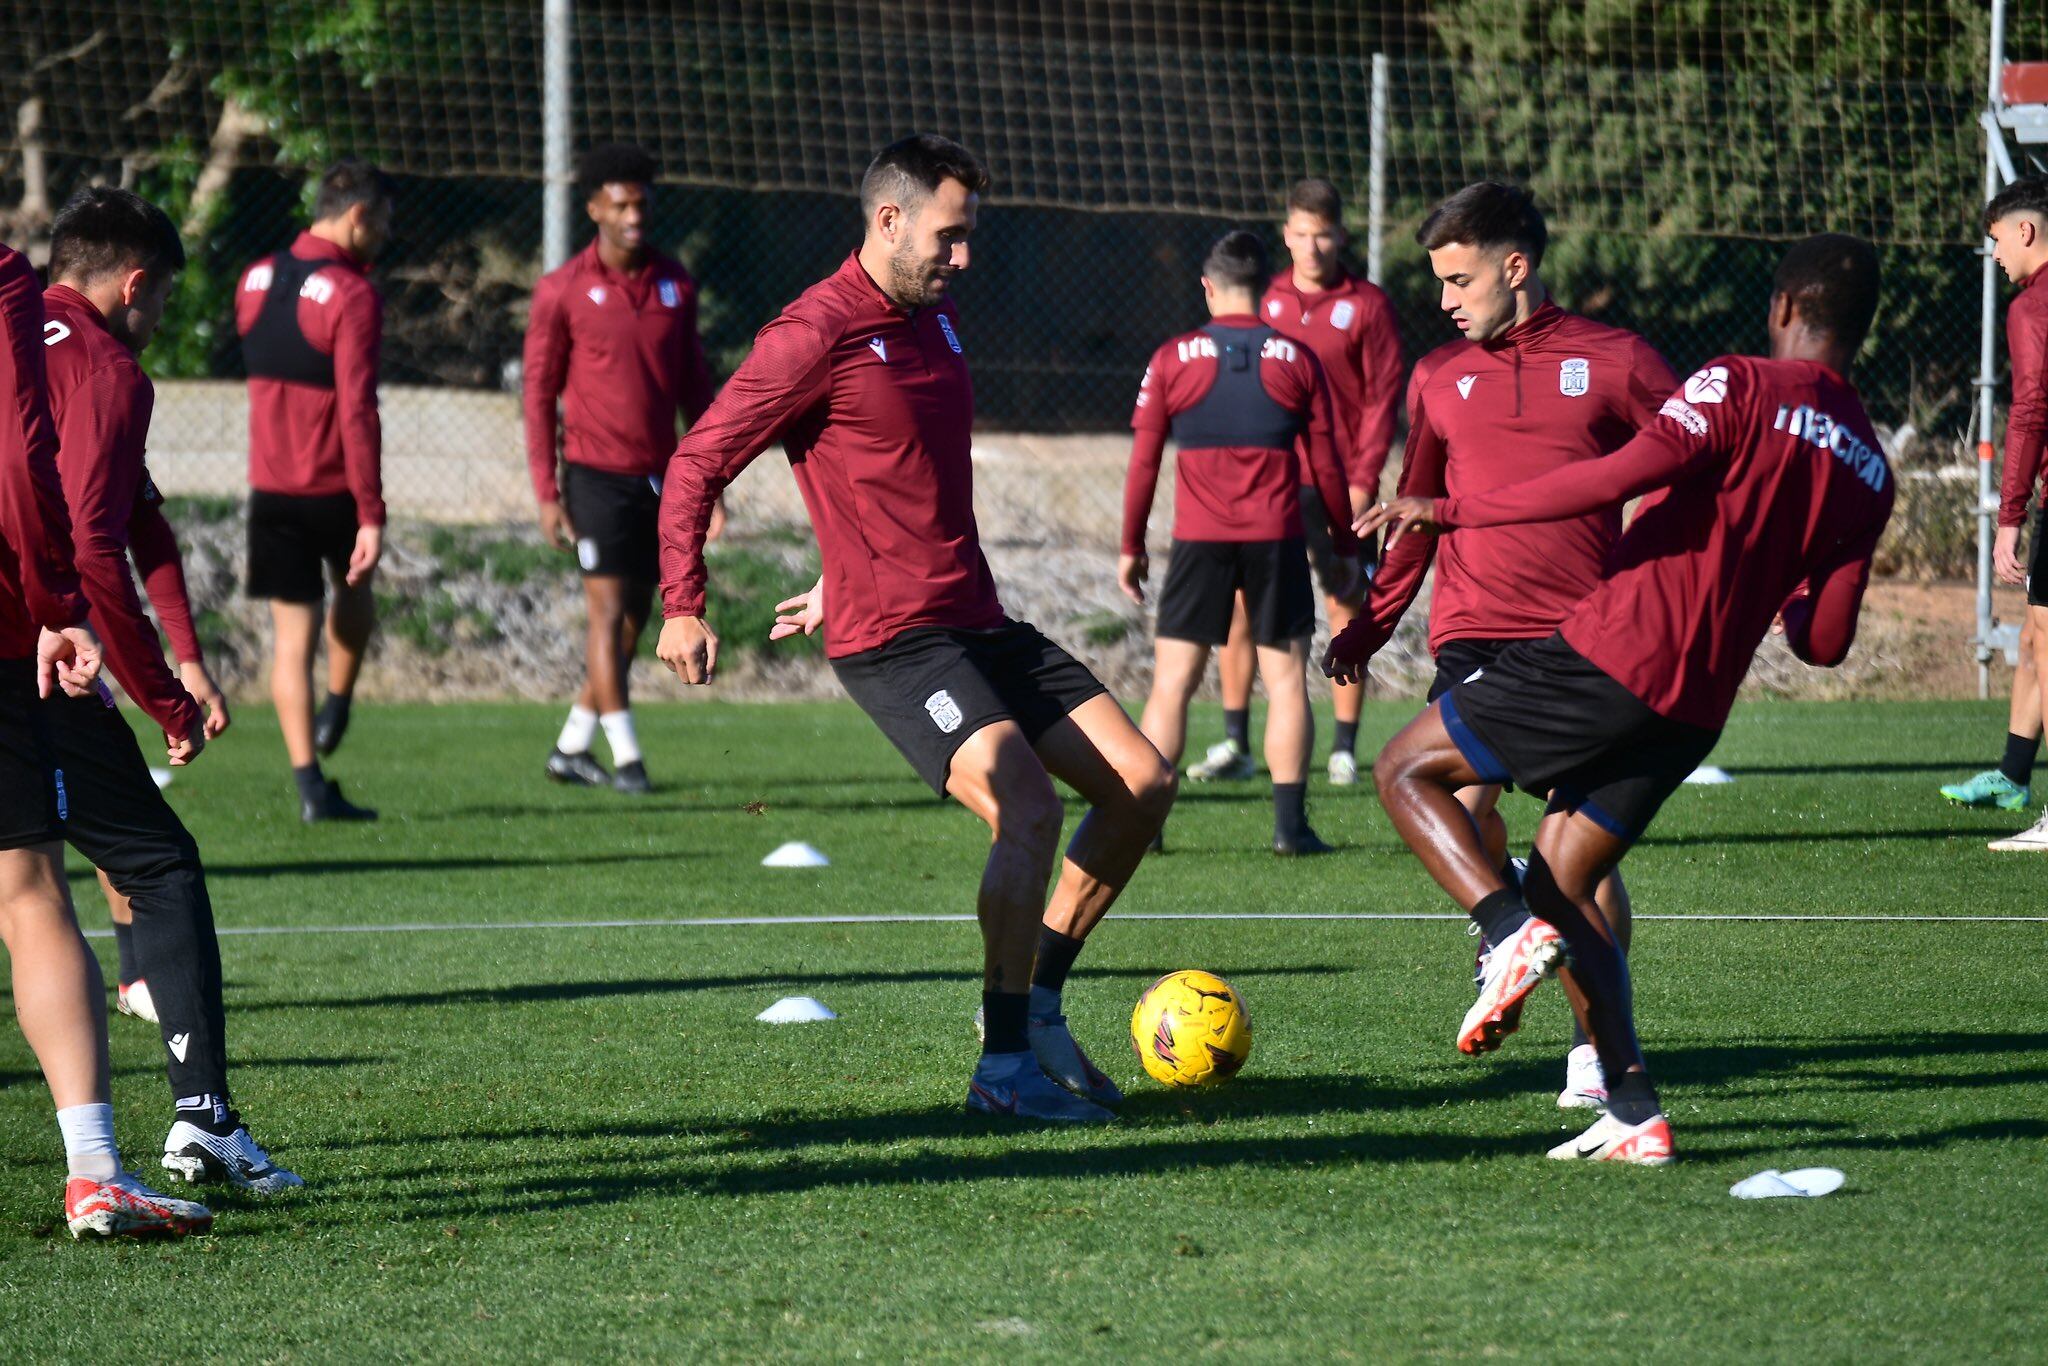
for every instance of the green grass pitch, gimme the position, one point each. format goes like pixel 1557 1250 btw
pixel 556 1143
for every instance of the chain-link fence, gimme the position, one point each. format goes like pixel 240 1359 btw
pixel 1675 147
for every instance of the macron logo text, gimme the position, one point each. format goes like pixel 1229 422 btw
pixel 1816 428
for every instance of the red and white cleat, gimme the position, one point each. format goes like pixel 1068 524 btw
pixel 1513 970
pixel 125 1208
pixel 1609 1140
pixel 133 999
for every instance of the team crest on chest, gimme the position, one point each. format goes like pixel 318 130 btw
pixel 597 294
pixel 1342 314
pixel 1574 376
pixel 1273 308
pixel 952 337
pixel 671 297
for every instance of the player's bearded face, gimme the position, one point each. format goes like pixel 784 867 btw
pixel 931 245
pixel 1477 292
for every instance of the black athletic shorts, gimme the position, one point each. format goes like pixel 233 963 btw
pixel 291 536
pixel 33 802
pixel 2037 562
pixel 1322 551
pixel 616 517
pixel 933 686
pixel 1543 715
pixel 1203 579
pixel 1460 659
pixel 118 817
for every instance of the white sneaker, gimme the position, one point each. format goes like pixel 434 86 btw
pixel 1609 1140
pixel 2032 840
pixel 1014 1086
pixel 1585 1085
pixel 1510 972
pixel 1343 768
pixel 125 1208
pixel 193 1154
pixel 1226 761
pixel 134 999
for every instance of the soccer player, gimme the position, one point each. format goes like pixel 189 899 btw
pixel 1530 388
pixel 1348 323
pixel 863 379
pixel 1774 492
pixel 613 335
pixel 44 641
pixel 312 325
pixel 1237 398
pixel 113 258
pixel 2016 220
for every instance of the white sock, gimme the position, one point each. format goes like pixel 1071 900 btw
pixel 618 733
pixel 578 731
pixel 89 1141
pixel 1045 1003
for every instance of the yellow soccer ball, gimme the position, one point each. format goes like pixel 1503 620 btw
pixel 1191 1029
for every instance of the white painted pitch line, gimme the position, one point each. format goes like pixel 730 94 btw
pixel 745 921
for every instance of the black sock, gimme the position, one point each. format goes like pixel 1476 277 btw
pixel 1290 810
pixel 1237 725
pixel 1631 1099
pixel 124 947
pixel 210 1112
pixel 336 704
pixel 1056 953
pixel 1601 972
pixel 1003 1021
pixel 312 786
pixel 1346 738
pixel 2018 763
pixel 1500 915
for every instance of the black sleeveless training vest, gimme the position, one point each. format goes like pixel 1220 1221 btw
pixel 276 347
pixel 1237 410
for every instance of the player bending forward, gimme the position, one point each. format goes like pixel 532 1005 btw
pixel 863 379
pixel 1774 493
pixel 1236 397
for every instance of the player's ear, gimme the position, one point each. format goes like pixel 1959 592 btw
pixel 133 283
pixel 1514 268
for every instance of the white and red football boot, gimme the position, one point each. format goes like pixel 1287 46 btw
pixel 1513 969
pixel 125 1208
pixel 1647 1144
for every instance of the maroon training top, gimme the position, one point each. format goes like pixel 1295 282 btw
pixel 622 354
pixel 313 424
pixel 2026 423
pixel 874 406
pixel 1775 492
pixel 38 586
pixel 102 402
pixel 1555 390
pixel 1351 328
pixel 1246 490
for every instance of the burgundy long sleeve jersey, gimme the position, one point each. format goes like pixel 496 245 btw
pixel 102 403
pixel 1555 390
pixel 1774 494
pixel 2026 423
pixel 312 328
pixel 38 585
pixel 1351 328
pixel 621 354
pixel 1236 432
pixel 874 406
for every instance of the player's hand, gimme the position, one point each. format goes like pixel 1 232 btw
pixel 184 749
pixel 689 647
pixel 362 561
pixel 555 527
pixel 69 658
pixel 2005 556
pixel 1361 499
pixel 1131 573
pixel 207 694
pixel 1350 650
pixel 805 612
pixel 1403 515
pixel 716 528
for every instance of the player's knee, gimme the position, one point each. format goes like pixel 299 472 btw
pixel 1152 796
pixel 1030 817
pixel 1390 767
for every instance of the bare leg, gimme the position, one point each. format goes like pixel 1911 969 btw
pixel 996 775
pixel 1129 787
pixel 604 665
pixel 2037 622
pixel 2029 699
pixel 1482 802
pixel 59 995
pixel 637 602
pixel 1290 726
pixel 1347 700
pixel 1234 662
pixel 293 628
pixel 1176 673
pixel 349 623
pixel 1573 857
pixel 118 909
pixel 1418 775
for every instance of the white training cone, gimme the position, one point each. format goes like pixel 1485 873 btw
pixel 1771 1184
pixel 1706 775
pixel 162 777
pixel 796 854
pixel 796 1010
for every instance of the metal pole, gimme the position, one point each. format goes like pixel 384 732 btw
pixel 556 94
pixel 1987 376
pixel 1376 192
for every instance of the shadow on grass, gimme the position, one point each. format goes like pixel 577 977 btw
pixel 426 863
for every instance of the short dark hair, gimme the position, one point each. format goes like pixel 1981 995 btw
pixel 2028 194
pixel 1317 196
pixel 102 229
pixel 1490 216
pixel 911 169
pixel 350 182
pixel 1238 260
pixel 1832 282
pixel 614 163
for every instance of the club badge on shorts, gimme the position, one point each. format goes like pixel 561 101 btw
pixel 1574 376
pixel 945 712
pixel 952 338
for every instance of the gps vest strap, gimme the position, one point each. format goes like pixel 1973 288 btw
pixel 1237 410
pixel 276 346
